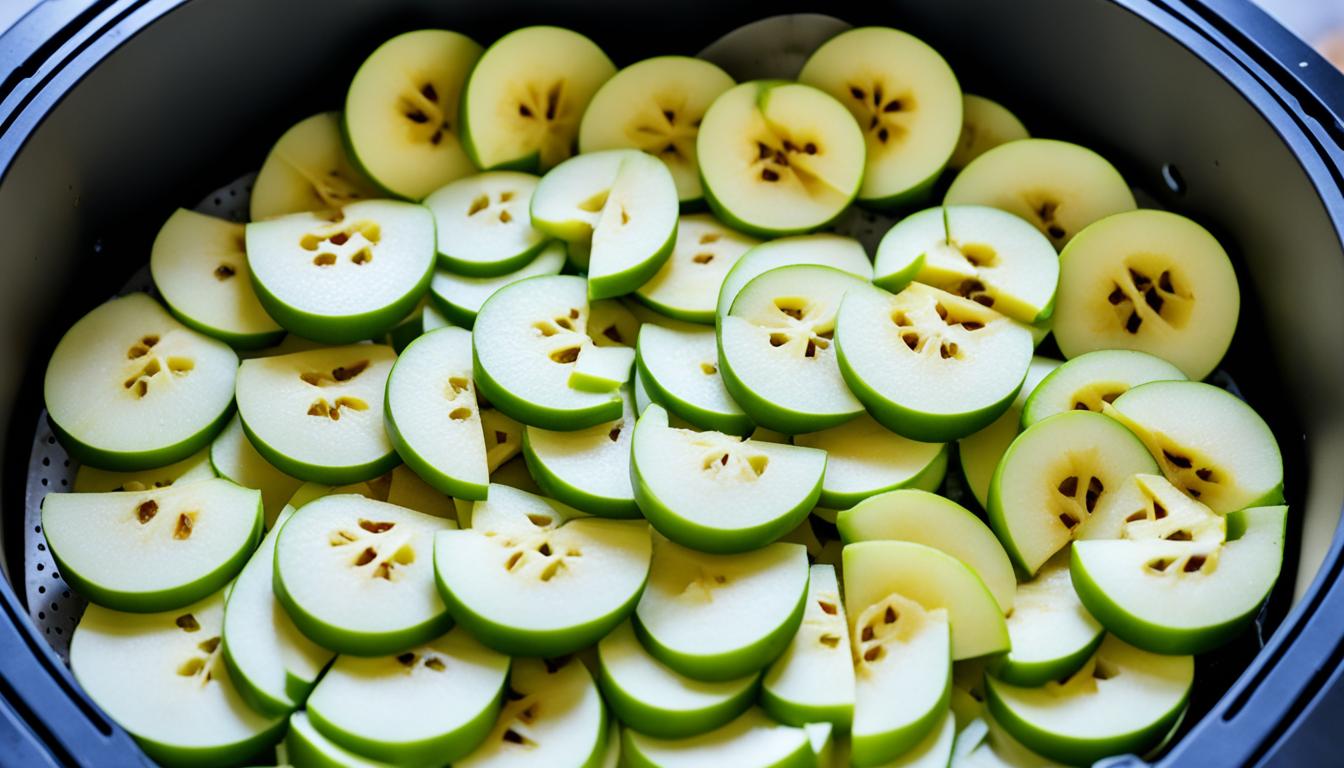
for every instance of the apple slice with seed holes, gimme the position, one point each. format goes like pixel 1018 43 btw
pixel 460 297
pixel 93 480
pixel 720 493
pixel 319 415
pixel 864 458
pixel 483 224
pixel 750 741
pixel 130 388
pixel 173 545
pixel 308 170
pixel 843 253
pixel 345 276
pixel 813 681
pixel 1053 635
pixel 356 575
pixel 779 158
pixel 401 112
pixel 979 452
pixel 687 286
pixel 904 97
pixel 1090 381
pixel 928 364
pixel 656 105
pixel 161 677
pixel 721 617
pixel 552 716
pixel 985 124
pixel 233 458
pixel 681 371
pixel 589 469
pixel 432 704
pixel 305 745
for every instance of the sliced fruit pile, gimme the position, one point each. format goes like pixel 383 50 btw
pixel 568 431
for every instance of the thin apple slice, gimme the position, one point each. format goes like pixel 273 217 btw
pixel 688 284
pixel 1090 381
pixel 1053 635
pixel 484 225
pixel 979 452
pixel 459 298
pixel 813 680
pixel 305 745
pixel 844 253
pixel 195 467
pixel 587 468
pixel 233 458
pixel 308 170
pixel 602 369
pixel 985 124
pixel 680 369
pixel 751 741
pixel 864 459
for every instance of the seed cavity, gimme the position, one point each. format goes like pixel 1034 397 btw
pixel 566 355
pixel 541 521
pixel 827 607
pixel 459 414
pixel 435 663
pixel 373 526
pixel 702 258
pixel 146 511
pixel 224 272
pixel 186 522
pixel 829 640
pixel 1195 563
pixel 187 623
pixel 366 556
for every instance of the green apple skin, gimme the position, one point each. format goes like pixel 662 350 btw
pixel 724 215
pixel 729 424
pixel 802 758
pixel 876 750
pixel 662 724
pixel 1029 674
pixel 257 750
pixel 127 461
pixel 308 748
pixel 454 745
pixel 540 416
pixel 631 278
pixel 324 475
pixel 789 712
pixel 557 488
pixel 927 479
pixel 774 417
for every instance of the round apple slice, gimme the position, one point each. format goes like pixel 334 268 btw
pixel 721 617
pixel 307 170
pixel 483 224
pixel 905 97
pixel 525 98
pixel 813 680
pixel 779 158
pixel 1152 281
pixel 172 546
pixel 687 286
pixel 864 459
pixel 680 369
pixel 720 493
pixel 656 105
pixel 552 716
pixel 401 111
pixel 93 480
pixel 233 458
pixel 750 741
pixel 657 701
pixel 588 468
pixel 928 364
pixel 1053 635
pixel 356 575
pixel 979 453
pixel 1210 444
pixel 319 415
pixel 1122 700
pixel 460 297
pixel 305 745
pixel 1057 186
pixel 1090 381
pixel 844 253
pixel 985 124
pixel 345 276
pixel 129 387
pixel 432 704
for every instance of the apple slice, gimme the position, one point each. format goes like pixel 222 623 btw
pixel 172 546
pixel 721 617
pixel 1053 635
pixel 864 459
pixel 483 224
pixel 93 480
pixel 305 745
pixel 602 369
pixel 844 253
pixel 344 276
pixel 720 493
pixel 687 286
pixel 927 364
pixel 432 704
pixel 680 369
pixel 1209 443
pixel 657 701
pixel 1055 477
pixel 905 97
pixel 527 581
pixel 1122 700
pixel 656 105
pixel 1057 186
pixel 503 438
pixel 233 458
pixel 356 576
pixel 935 751
pixel 130 388
pixel 459 298
pixel 813 680
pixel 1090 381
pixel 779 158
pixel 319 415
pixel 979 452
pixel 308 170
pixel 588 468
pixel 985 124
pixel 612 323
pixel 775 349
pixel 552 716
pixel 750 741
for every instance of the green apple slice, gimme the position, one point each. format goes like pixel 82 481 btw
pixel 588 468
pixel 460 297
pixel 612 323
pixel 344 276
pixel 688 284
pixel 319 415
pixel 1090 381
pixel 503 438
pixel 172 546
pixel 680 369
pixel 823 738
pixel 981 253
pixel 233 458
pixel 483 224
pixel 552 716
pixel 1122 700
pixel 656 105
pixel 926 518
pixel 1055 477
pixel 934 751
pixel 720 493
pixel 1053 634
pixel 401 110
pixel 306 747
pixel 750 741
pixel 527 339
pixel 928 364
pixel 602 369
pixel 985 124
pixel 904 96
pixel 199 265
pixel 864 459
pixel 779 158
pixel 432 704
pixel 1152 281
pixel 844 253
pixel 657 701
pixel 130 388
pixel 525 98
pixel 775 349
pixel 813 680
pixel 979 453
pixel 721 617
pixel 611 752
pixel 93 480
pixel 356 575
pixel 1209 443
pixel 432 417
pixel 1057 186
pixel 526 581
pixel 307 170
pixel 161 677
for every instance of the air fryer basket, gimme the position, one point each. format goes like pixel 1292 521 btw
pixel 139 106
